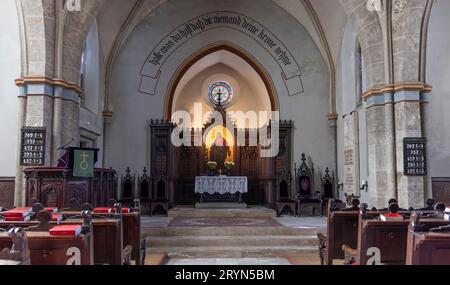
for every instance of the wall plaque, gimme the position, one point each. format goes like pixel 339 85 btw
pixel 32 147
pixel 415 156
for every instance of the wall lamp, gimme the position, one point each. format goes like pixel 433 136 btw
pixel 340 185
pixel 364 185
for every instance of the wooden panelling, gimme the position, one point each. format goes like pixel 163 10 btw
pixel 7 185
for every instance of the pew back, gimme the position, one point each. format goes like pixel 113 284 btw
pixel 428 248
pixel 106 237
pixel 389 237
pixel 56 250
pixel 131 232
pixel 342 229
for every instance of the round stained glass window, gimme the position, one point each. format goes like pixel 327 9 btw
pixel 220 93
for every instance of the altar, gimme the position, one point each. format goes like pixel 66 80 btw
pixel 221 188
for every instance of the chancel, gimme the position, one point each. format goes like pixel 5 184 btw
pixel 233 132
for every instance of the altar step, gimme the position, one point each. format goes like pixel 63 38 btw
pixel 231 241
pixel 227 231
pixel 251 212
pixel 234 251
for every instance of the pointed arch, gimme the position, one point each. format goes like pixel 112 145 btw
pixel 275 105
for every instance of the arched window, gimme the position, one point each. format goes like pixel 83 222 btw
pixel 83 75
pixel 359 74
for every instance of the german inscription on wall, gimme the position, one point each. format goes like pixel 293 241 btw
pixel 351 154
pixel 33 147
pixel 152 68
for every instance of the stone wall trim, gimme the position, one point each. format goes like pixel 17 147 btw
pixel 54 82
pixel 421 87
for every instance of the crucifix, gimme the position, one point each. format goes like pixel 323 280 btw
pixel 220 94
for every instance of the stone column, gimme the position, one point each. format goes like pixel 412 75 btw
pixel 57 125
pixel 381 149
pixel 20 179
pixel 332 122
pixel 54 105
pixel 425 120
pixel 408 123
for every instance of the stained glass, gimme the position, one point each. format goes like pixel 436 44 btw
pixel 220 93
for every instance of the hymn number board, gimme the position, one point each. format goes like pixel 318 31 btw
pixel 415 156
pixel 33 147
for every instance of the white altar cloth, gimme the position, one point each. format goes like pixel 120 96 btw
pixel 221 185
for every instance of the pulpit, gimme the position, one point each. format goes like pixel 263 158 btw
pixel 75 179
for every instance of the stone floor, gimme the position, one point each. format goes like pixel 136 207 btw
pixel 220 245
pixel 291 222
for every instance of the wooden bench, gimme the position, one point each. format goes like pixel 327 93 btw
pixel 19 253
pixel 131 230
pixel 426 245
pixel 54 250
pixel 107 236
pixel 342 228
pixel 390 238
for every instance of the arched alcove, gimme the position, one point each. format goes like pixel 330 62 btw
pixel 252 88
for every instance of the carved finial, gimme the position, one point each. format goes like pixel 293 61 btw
pixel 87 221
pixel 87 207
pixel 37 207
pixel 118 208
pixel 430 203
pixel 20 250
pixel 112 202
pixel 137 205
pixel 364 208
pixel 145 171
pixel 440 207
pixel 415 220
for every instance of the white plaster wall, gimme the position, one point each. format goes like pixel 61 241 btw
pixel 91 116
pixel 346 92
pixel 438 70
pixel 128 134
pixel 9 71
pixel 92 70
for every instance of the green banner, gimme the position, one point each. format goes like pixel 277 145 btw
pixel 83 165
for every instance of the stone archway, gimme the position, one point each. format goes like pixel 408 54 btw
pixel 226 46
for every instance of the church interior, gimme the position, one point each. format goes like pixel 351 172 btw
pixel 231 132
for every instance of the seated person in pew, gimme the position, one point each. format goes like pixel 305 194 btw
pixel 427 245
pixel 342 228
pixel 383 242
pixel 107 233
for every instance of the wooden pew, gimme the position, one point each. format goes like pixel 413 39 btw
pixel 390 238
pixel 19 254
pixel 55 250
pixel 342 228
pixel 131 224
pixel 107 238
pixel 427 246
